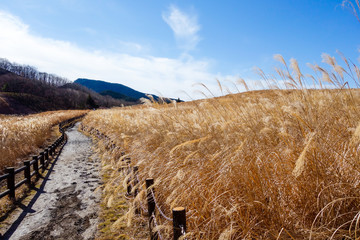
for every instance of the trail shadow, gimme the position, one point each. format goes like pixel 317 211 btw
pixel 28 208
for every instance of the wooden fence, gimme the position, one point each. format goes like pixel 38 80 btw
pixel 178 213
pixel 32 167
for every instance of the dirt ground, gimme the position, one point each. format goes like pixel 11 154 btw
pixel 66 205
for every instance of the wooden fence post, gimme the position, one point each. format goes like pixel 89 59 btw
pixel 42 161
pixel 51 150
pixel 123 160
pixel 135 172
pixel 150 200
pixel 27 173
pixel 151 206
pixel 128 162
pixel 179 222
pixel 36 165
pixel 11 182
pixel 136 191
pixel 46 155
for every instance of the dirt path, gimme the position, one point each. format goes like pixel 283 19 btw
pixel 67 206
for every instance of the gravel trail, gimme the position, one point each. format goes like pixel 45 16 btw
pixel 67 207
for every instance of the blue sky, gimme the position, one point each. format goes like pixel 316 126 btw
pixel 164 47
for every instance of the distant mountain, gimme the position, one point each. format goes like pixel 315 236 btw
pixel 115 90
pixel 118 96
pixel 110 88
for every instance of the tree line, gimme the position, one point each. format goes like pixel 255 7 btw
pixel 32 73
pixel 42 91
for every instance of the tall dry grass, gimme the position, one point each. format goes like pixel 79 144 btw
pixel 270 164
pixel 354 5
pixel 24 135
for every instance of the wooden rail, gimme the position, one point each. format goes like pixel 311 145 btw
pixel 178 213
pixel 38 162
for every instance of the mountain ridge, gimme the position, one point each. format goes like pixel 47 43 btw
pixel 117 90
pixel 103 86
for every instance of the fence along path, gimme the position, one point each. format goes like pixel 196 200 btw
pixel 32 167
pixel 133 183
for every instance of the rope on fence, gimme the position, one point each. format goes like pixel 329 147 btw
pixel 143 208
pixel 126 196
pixel 182 230
pixel 157 206
pixel 156 225
pixel 179 213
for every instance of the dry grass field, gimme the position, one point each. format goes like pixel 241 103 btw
pixel 24 135
pixel 270 164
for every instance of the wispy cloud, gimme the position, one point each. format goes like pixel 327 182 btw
pixel 90 31
pixel 148 74
pixel 124 46
pixel 185 27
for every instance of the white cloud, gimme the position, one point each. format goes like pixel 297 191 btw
pixel 147 74
pixel 184 26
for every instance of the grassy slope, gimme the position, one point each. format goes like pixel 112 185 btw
pixel 260 164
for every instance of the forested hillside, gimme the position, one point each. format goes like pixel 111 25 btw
pixel 23 89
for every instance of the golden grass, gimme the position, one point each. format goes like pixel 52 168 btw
pixel 271 164
pixel 114 217
pixel 21 136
